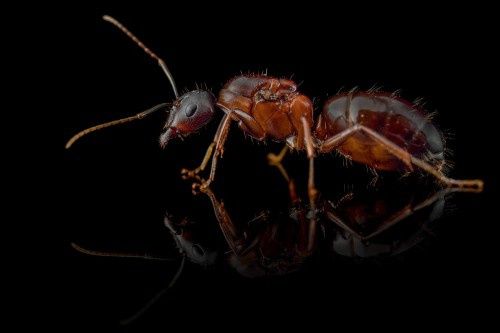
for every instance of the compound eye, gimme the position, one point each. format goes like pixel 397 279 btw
pixel 190 110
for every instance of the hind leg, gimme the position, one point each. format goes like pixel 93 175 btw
pixel 409 160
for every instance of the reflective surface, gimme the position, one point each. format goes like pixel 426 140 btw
pixel 371 224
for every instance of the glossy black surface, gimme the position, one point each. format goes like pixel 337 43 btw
pixel 119 183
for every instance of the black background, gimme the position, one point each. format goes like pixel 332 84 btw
pixel 118 183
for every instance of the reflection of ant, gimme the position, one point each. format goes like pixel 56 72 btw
pixel 363 224
pixel 277 244
pixel 380 130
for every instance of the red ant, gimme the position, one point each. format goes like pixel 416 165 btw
pixel 378 129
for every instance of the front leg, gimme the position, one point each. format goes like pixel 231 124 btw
pixel 187 173
pixel 217 145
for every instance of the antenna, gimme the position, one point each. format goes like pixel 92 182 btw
pixel 136 40
pixel 138 116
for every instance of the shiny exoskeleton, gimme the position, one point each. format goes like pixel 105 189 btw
pixel 397 120
pixel 379 129
pixel 267 107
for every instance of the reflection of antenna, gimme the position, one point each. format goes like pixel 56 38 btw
pixel 161 63
pixel 139 256
pixel 158 296
pixel 116 254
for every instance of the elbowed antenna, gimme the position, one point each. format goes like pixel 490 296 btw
pixel 153 55
pixel 138 116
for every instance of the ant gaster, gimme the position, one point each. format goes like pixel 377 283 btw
pixel 378 129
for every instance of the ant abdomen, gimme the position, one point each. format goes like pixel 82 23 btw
pixel 393 118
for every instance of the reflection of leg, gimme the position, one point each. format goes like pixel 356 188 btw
pixel 399 216
pixel 401 154
pixel 411 209
pixel 229 230
pixel 305 242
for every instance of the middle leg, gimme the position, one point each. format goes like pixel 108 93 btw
pixel 275 160
pixel 313 193
pixel 309 143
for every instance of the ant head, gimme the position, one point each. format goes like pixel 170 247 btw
pixel 190 112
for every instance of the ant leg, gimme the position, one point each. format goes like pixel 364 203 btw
pixel 220 140
pixel 249 125
pixel 309 143
pixel 245 122
pixel 217 143
pixel 274 159
pixel 276 162
pixel 186 173
pixel 136 40
pixel 116 254
pixel 313 193
pixel 338 139
pixel 403 155
pixel 475 185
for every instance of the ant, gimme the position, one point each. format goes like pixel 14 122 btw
pixel 378 129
